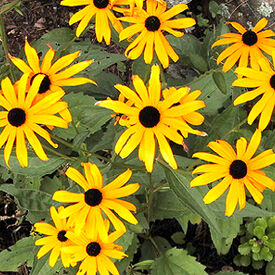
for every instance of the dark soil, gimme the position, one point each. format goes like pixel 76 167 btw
pixel 41 16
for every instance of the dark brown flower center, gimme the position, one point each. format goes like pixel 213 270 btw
pixel 238 169
pixel 149 117
pixel 45 84
pixel 16 117
pixel 93 249
pixel 250 38
pixel 272 81
pixel 61 236
pixel 101 4
pixel 93 197
pixel 152 23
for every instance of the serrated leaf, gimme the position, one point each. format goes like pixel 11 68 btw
pixel 244 249
pixel 177 262
pixel 36 167
pixel 22 252
pixel 259 232
pixel 270 267
pixel 191 197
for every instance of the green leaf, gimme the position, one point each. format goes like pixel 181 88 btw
pixel 177 262
pixel 87 117
pixel 167 205
pixel 244 249
pixel 191 197
pixel 36 202
pixel 229 229
pixel 198 62
pixel 130 252
pixel 36 167
pixel 270 267
pixel 220 81
pixel 57 38
pixel 22 252
pixel 245 260
pixel 214 8
pixel 259 232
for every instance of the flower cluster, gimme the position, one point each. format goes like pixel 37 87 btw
pixel 149 23
pixel 240 170
pixel 86 230
pixel 81 232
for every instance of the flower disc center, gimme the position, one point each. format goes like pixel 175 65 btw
pixel 61 236
pixel 272 81
pixel 101 4
pixel 16 117
pixel 93 249
pixel 238 169
pixel 93 197
pixel 152 23
pixel 149 117
pixel 45 84
pixel 250 38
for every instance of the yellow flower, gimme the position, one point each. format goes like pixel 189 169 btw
pixel 56 238
pixel 237 171
pixel 95 252
pixel 245 46
pixel 97 199
pixel 264 83
pixel 102 10
pixel 22 117
pixel 151 24
pixel 150 118
pixel 53 78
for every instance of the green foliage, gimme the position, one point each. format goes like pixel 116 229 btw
pixel 177 262
pixel 23 251
pixel 258 244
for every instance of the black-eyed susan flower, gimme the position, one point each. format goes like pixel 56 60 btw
pixel 54 78
pixel 237 171
pixel 264 83
pixel 56 238
pixel 95 252
pixel 248 45
pixel 102 11
pixel 21 117
pixel 97 199
pixel 151 24
pixel 151 118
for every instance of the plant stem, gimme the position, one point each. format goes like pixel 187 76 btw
pixel 110 160
pixel 155 245
pixel 150 197
pixel 5 45
pixel 58 153
pixel 9 6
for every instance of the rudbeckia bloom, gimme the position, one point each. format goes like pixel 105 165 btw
pixel 151 24
pixel 237 171
pixel 95 252
pixel 246 45
pixel 21 117
pixel 150 118
pixel 97 199
pixel 56 238
pixel 53 77
pixel 264 83
pixel 102 10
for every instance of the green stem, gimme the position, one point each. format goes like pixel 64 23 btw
pixel 155 245
pixel 150 197
pixel 58 153
pixel 5 46
pixel 234 128
pixel 75 128
pixel 134 167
